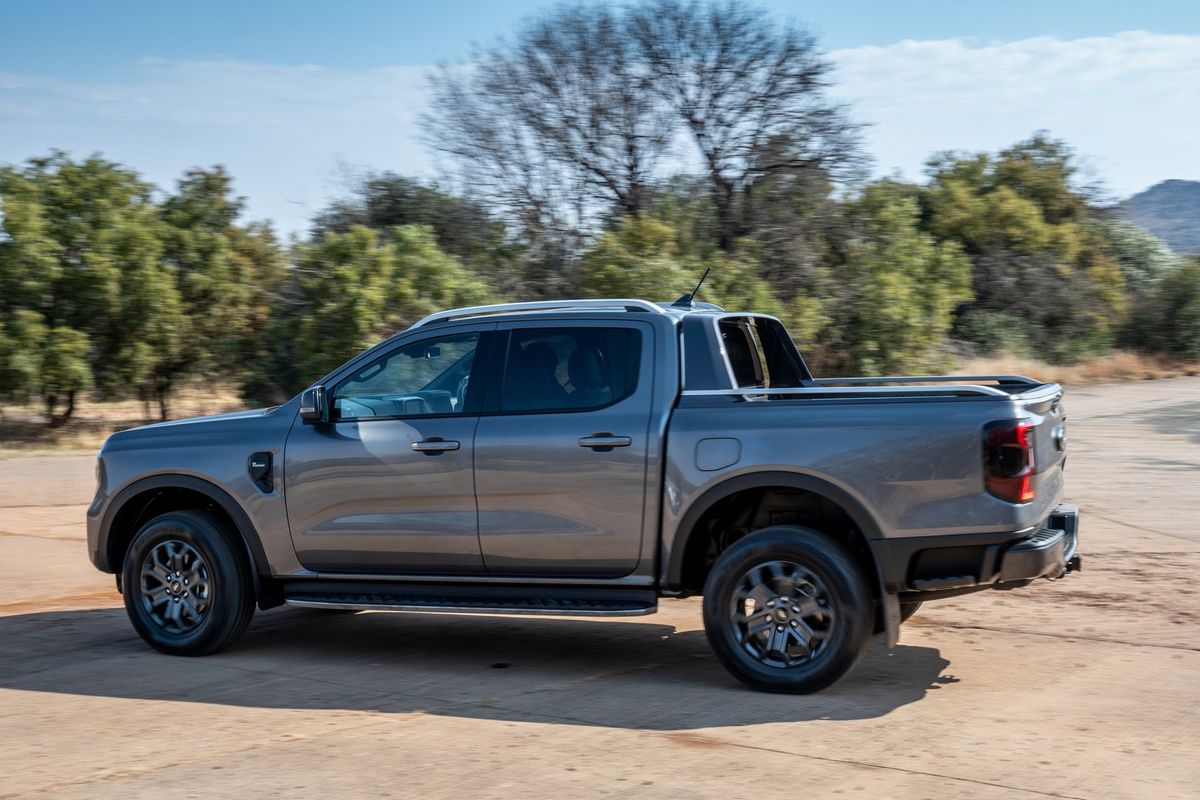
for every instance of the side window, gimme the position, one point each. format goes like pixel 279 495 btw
pixel 424 378
pixel 760 354
pixel 569 369
pixel 741 350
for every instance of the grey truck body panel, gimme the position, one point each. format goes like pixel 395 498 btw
pixel 522 499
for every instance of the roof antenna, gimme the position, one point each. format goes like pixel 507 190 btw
pixel 686 300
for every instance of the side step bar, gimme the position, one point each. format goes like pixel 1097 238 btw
pixel 472 599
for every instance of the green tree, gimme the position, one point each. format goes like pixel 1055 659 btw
pixel 81 249
pixel 657 258
pixel 64 372
pixel 1143 257
pixel 462 227
pixel 639 257
pixel 343 282
pixel 427 279
pixel 901 286
pixel 91 208
pixel 352 289
pixel 22 337
pixel 225 274
pixel 27 254
pixel 1145 262
pixel 1169 316
pixel 27 266
pixel 1034 250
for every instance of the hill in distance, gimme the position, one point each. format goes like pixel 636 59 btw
pixel 1171 211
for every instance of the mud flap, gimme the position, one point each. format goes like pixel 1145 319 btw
pixel 891 618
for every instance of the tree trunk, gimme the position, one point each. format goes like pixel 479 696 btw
pixel 58 420
pixel 161 390
pixel 70 409
pixel 726 223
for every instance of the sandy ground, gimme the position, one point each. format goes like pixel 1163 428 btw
pixel 1084 688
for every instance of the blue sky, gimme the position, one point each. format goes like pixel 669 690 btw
pixel 295 97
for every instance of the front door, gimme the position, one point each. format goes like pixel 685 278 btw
pixel 560 459
pixel 387 486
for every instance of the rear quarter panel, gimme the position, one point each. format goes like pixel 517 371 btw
pixel 913 464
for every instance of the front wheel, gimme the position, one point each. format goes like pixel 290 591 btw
pixel 786 609
pixel 188 589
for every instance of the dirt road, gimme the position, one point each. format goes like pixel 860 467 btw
pixel 1085 688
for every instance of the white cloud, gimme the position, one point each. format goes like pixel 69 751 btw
pixel 1129 103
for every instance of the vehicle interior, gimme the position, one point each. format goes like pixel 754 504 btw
pixel 411 381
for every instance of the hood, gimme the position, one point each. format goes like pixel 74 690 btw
pixel 257 412
pixel 189 423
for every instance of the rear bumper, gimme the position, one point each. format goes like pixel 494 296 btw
pixel 1051 552
pixel 941 566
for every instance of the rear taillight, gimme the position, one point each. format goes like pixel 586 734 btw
pixel 1008 460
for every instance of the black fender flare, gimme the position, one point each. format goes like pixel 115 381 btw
pixel 244 527
pixel 672 576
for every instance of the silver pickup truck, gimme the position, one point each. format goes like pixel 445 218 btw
pixel 588 458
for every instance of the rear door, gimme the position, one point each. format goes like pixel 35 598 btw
pixel 560 457
pixel 387 485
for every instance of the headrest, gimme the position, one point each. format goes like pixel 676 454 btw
pixel 584 370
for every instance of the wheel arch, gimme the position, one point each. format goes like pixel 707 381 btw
pixel 688 533
pixel 128 511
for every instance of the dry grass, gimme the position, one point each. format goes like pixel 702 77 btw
pixel 23 429
pixel 1120 367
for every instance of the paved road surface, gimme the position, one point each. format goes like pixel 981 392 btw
pixel 1086 688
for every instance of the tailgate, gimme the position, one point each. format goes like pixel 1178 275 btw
pixel 1044 411
pixel 1023 455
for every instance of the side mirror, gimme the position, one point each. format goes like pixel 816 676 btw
pixel 313 405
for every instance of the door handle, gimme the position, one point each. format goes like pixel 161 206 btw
pixel 605 441
pixel 434 446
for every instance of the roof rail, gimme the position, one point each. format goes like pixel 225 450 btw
pixel 539 305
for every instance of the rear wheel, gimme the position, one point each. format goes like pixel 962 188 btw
pixel 187 587
pixel 786 609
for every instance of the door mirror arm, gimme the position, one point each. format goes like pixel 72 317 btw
pixel 314 405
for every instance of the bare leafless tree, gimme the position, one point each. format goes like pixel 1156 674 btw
pixel 562 117
pixel 576 117
pixel 496 156
pixel 752 96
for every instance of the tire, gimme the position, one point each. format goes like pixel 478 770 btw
pixel 212 609
pixel 803 646
pixel 908 609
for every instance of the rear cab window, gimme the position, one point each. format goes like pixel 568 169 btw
pixel 759 354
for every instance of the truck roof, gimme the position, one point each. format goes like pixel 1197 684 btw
pixel 677 310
